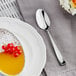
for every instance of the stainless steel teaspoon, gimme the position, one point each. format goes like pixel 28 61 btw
pixel 43 22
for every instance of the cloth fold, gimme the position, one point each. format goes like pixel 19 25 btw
pixel 63 30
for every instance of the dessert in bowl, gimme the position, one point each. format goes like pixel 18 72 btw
pixel 69 6
pixel 12 57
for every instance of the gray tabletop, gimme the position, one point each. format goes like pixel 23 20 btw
pixel 63 30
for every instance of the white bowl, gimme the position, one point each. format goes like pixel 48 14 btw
pixel 32 43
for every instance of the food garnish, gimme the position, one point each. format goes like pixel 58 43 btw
pixel 10 48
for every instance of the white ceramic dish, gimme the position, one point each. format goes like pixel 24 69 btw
pixel 32 42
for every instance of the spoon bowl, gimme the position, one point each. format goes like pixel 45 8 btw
pixel 41 16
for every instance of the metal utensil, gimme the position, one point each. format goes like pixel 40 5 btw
pixel 44 23
pixel 44 73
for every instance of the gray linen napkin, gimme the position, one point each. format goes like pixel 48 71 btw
pixel 63 30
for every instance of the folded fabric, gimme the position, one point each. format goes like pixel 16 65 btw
pixel 63 30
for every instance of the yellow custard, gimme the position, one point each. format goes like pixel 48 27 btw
pixel 12 65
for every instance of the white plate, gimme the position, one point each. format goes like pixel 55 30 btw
pixel 32 42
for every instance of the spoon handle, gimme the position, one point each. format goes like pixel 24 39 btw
pixel 56 50
pixel 44 73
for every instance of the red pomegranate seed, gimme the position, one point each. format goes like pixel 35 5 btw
pixel 16 54
pixel 6 51
pixel 3 47
pixel 16 48
pixel 12 48
pixel 10 51
pixel 14 51
pixel 10 45
pixel 20 51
